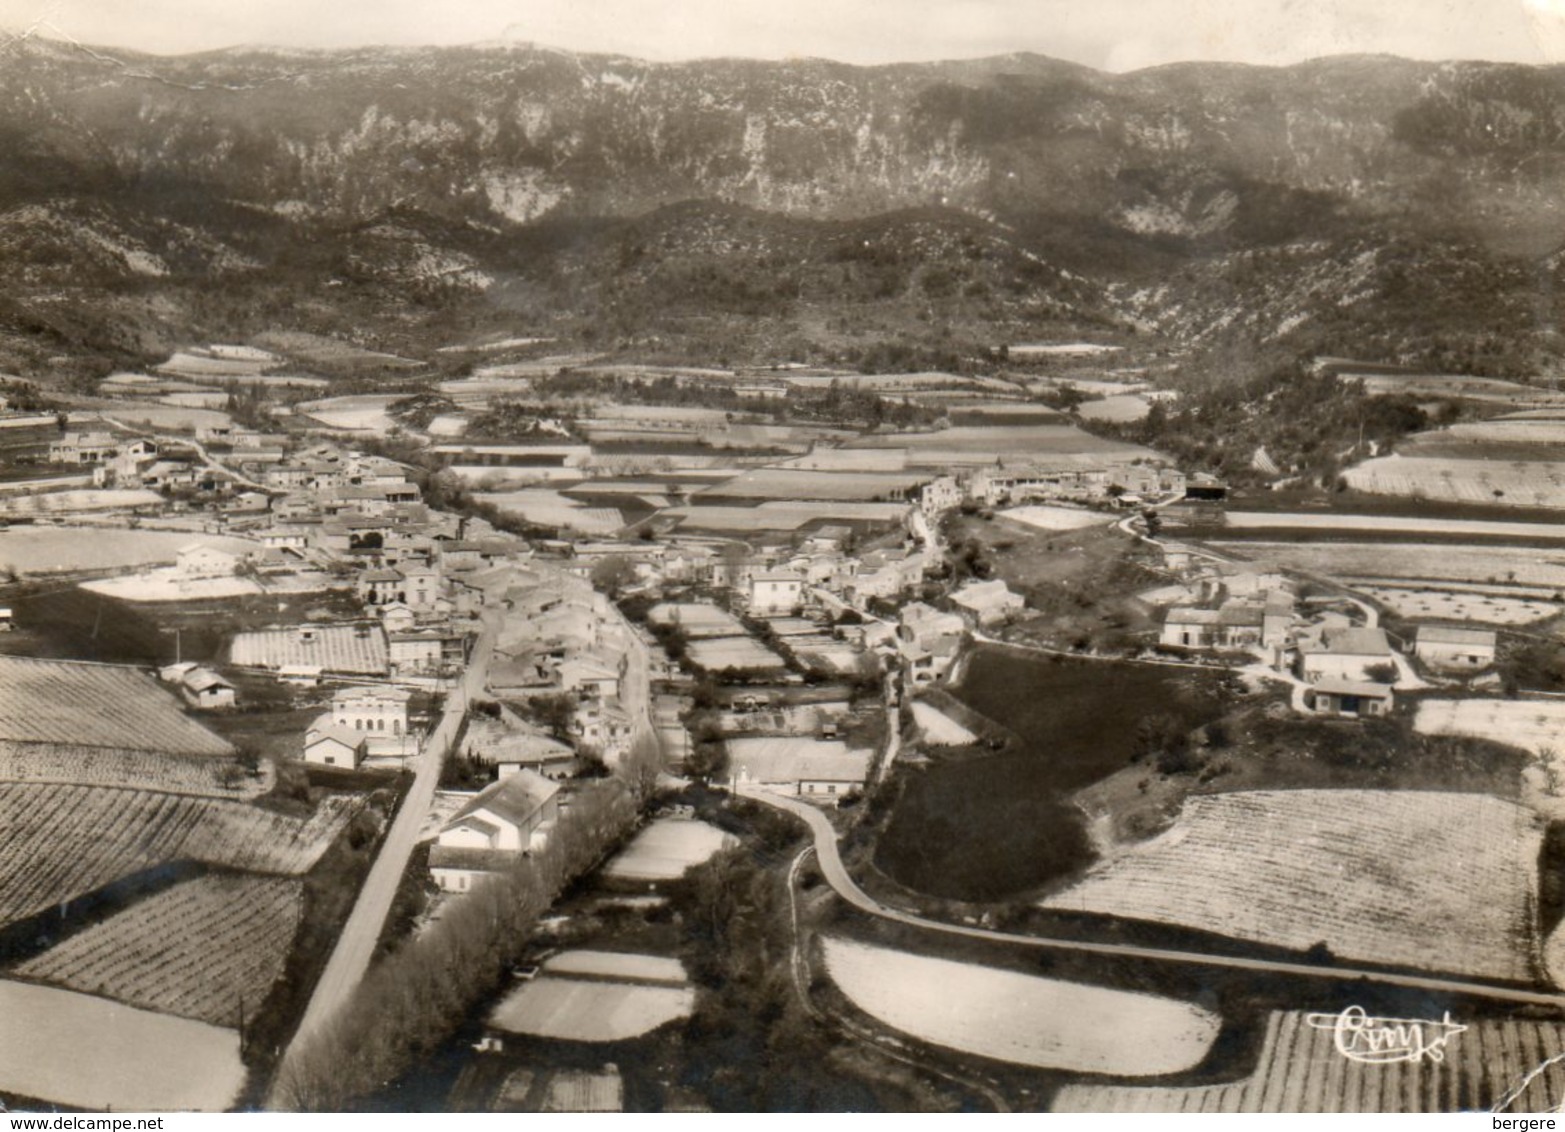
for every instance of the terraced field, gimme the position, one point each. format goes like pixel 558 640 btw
pixel 1517 484
pixel 110 766
pixel 1435 562
pixel 96 705
pixel 209 949
pixel 62 842
pixel 1440 882
pixel 1300 1070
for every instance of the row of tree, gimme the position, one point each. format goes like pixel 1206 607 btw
pixel 415 1000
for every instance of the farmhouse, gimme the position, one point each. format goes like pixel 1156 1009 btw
pixel 603 726
pixel 200 686
pixel 988 603
pixel 887 573
pixel 510 744
pixel 775 592
pixel 940 494
pixel 589 674
pixel 202 560
pixel 502 822
pixel 83 448
pixel 1235 625
pixel 759 389
pixel 1443 646
pixel 929 640
pixel 333 746
pixel 1349 699
pixel 426 652
pixel 380 587
pixel 1344 654
pixel 821 768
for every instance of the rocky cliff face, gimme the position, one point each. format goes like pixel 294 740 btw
pixel 509 135
pixel 1195 201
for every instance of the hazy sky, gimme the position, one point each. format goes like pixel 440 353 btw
pixel 1113 34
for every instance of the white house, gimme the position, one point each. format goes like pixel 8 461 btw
pixel 1349 699
pixel 203 560
pixel 1444 646
pixel 1345 654
pixel 376 709
pixel 589 675
pixel 940 494
pixel 813 768
pixel 333 746
pixel 776 593
pixel 199 685
pixel 989 603
pixel 491 831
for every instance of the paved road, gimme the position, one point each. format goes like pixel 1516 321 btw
pixel 837 876
pixel 884 1044
pixel 356 946
pixel 201 450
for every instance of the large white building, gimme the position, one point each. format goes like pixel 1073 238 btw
pixel 492 830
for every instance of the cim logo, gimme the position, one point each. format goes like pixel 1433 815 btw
pixel 1380 1041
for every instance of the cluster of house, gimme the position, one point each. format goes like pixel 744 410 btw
pixel 1348 669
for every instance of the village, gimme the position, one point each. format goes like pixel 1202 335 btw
pixel 449 653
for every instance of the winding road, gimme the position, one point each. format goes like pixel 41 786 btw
pixel 836 873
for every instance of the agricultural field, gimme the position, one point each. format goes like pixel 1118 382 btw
pixel 1119 408
pixel 349 649
pixel 96 705
pixel 80 499
pixel 611 1007
pixel 526 1089
pixel 939 728
pixel 1048 518
pixel 171 584
pixel 1021 1019
pixel 619 965
pixel 794 483
pixel 356 413
pixel 718 653
pixel 1514 484
pixel 1467 388
pixel 64 841
pixel 1533 725
pixel 666 849
pixel 330 353
pixel 210 949
pixel 148 770
pixel 198 364
pixel 170 418
pixel 1016 443
pixel 1025 351
pixel 1391 524
pixel 777 516
pixel 1487 1066
pixel 90 1053
pixel 1422 604
pixel 551 509
pixel 1435 881
pixel 697 619
pixel 1433 562
pixel 1475 439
